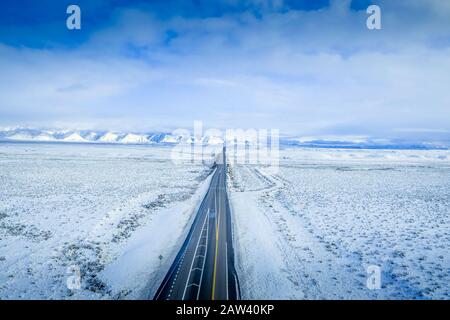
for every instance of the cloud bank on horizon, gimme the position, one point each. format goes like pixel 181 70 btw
pixel 304 67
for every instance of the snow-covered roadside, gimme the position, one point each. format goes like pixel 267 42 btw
pixel 143 263
pixel 311 230
pixel 279 258
pixel 258 252
pixel 97 208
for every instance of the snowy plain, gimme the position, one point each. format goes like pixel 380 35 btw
pixel 310 228
pixel 118 213
pixel 305 230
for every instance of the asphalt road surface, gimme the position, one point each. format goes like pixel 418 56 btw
pixel 204 267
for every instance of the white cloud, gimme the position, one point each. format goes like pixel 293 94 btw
pixel 311 72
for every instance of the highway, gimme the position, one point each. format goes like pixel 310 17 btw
pixel 204 267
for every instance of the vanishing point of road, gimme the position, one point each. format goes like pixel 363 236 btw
pixel 204 267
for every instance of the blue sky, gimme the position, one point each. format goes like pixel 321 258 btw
pixel 304 67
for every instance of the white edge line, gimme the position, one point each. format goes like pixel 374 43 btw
pixel 204 259
pixel 193 258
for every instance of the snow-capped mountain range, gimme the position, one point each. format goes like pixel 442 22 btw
pixel 93 136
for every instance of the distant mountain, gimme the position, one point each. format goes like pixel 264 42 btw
pixel 135 138
pixel 91 136
pixel 109 137
pixel 348 142
pixel 74 137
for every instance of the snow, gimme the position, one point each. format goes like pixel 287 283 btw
pixel 91 136
pixel 214 137
pixel 109 137
pixel 311 229
pixel 75 137
pixel 21 137
pixel 44 137
pixel 213 140
pixel 102 208
pixel 135 139
pixel 343 139
pixel 308 230
pixel 170 139
pixel 141 255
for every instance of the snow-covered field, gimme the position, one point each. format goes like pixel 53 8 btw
pixel 311 229
pixel 308 230
pixel 118 213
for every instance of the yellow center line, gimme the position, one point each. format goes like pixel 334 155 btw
pixel 215 256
